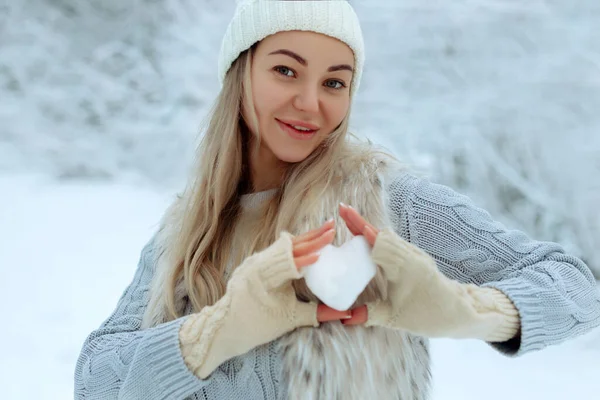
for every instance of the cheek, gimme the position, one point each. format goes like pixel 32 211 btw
pixel 335 113
pixel 267 99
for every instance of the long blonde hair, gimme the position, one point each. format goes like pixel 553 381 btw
pixel 209 205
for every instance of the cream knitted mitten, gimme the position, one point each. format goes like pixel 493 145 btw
pixel 259 306
pixel 423 301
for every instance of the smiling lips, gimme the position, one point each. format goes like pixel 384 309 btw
pixel 298 129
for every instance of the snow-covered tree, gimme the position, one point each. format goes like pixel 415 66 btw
pixel 497 98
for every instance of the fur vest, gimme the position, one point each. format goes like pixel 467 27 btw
pixel 334 361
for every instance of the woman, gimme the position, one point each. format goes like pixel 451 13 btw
pixel 217 308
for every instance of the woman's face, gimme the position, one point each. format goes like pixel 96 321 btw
pixel 301 91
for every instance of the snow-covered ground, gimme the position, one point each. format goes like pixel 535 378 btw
pixel 68 250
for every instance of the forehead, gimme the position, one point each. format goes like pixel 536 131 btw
pixel 310 45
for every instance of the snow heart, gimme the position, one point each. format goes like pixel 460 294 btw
pixel 341 273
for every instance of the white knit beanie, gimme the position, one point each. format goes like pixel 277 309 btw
pixel 254 20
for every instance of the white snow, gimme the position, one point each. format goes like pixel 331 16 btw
pixel 69 250
pixel 329 278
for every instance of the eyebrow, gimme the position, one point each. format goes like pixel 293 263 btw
pixel 302 61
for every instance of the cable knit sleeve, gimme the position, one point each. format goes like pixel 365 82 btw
pixel 118 360
pixel 554 292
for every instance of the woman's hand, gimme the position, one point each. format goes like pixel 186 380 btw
pixel 305 249
pixel 259 305
pixel 358 226
pixel 422 300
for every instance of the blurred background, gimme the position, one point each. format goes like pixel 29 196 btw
pixel 100 104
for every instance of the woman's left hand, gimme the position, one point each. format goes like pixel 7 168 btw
pixel 421 299
pixel 358 226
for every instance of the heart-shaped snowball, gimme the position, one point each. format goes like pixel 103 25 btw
pixel 341 273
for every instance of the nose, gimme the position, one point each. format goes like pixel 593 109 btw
pixel 307 99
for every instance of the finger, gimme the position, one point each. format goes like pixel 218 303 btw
pixel 310 235
pixel 356 219
pixel 349 223
pixel 316 244
pixel 326 313
pixel 359 316
pixel 370 235
pixel 304 261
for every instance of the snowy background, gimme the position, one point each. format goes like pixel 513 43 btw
pixel 100 101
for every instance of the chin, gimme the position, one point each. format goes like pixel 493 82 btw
pixel 292 157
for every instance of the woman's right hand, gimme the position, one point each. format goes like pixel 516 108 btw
pixel 260 304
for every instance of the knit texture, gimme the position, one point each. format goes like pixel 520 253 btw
pixel 554 293
pixel 260 303
pixel 254 20
pixel 424 302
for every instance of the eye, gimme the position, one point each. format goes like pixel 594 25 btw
pixel 284 71
pixel 335 84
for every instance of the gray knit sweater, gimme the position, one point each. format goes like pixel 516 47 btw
pixel 554 292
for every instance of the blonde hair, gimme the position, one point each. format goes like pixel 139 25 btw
pixel 210 204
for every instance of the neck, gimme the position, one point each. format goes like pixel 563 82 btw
pixel 266 170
